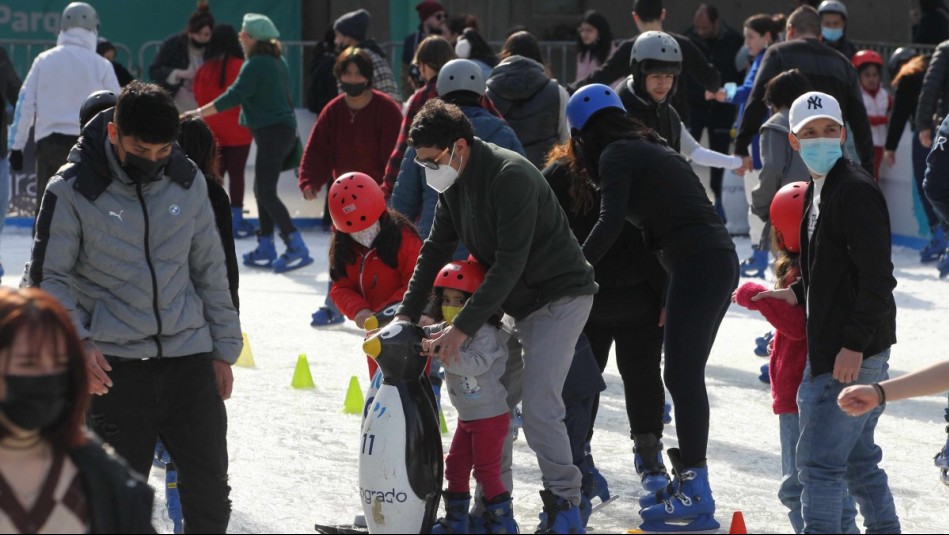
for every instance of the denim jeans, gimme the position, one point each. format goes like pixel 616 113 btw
pixel 836 452
pixel 4 190
pixel 790 491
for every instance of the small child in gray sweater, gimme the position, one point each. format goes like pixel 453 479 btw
pixel 475 390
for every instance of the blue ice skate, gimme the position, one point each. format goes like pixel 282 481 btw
pixel 162 459
pixel 326 316
pixel 264 255
pixel 756 265
pixel 559 515
pixel 765 376
pixel 592 485
pixel 691 508
pixel 240 227
pixel 936 246
pixel 942 460
pixel 943 265
pixel 762 344
pixel 499 516
pixel 296 256
pixel 647 452
pixel 456 514
pixel 667 413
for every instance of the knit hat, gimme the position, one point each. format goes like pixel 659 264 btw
pixel 260 27
pixel 427 8
pixel 353 24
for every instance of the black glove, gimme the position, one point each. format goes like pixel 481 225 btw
pixel 16 160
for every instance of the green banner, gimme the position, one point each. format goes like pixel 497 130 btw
pixel 137 27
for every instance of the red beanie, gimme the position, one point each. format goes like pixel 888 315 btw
pixel 428 8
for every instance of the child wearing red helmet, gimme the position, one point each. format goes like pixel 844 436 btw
pixel 789 350
pixel 475 389
pixel 372 250
pixel 878 102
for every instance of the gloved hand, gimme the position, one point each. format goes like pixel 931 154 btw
pixel 16 160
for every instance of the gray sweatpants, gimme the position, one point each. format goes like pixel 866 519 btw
pixel 549 338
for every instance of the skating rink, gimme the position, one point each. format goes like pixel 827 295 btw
pixel 293 453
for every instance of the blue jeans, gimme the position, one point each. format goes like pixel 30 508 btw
pixel 4 190
pixel 836 452
pixel 790 491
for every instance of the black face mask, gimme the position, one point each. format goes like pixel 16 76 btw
pixel 353 90
pixel 37 401
pixel 142 170
pixel 197 44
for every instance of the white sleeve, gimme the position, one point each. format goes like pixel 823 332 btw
pixel 691 149
pixel 25 112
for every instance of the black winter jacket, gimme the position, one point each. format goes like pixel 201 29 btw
pixel 829 72
pixel 172 55
pixel 119 500
pixel 905 98
pixel 661 117
pixel 694 66
pixel 933 105
pixel 847 272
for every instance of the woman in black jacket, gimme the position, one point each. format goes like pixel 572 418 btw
pixel 180 56
pixel 643 181
pixel 43 444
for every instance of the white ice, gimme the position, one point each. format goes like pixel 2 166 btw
pixel 293 453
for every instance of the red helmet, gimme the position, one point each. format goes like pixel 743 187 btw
pixel 865 57
pixel 355 202
pixel 787 209
pixel 461 275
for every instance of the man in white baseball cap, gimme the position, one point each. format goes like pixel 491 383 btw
pixel 847 288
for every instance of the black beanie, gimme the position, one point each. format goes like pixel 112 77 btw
pixel 354 24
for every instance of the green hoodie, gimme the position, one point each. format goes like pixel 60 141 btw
pixel 503 211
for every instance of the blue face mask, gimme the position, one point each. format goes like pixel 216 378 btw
pixel 832 34
pixel 821 153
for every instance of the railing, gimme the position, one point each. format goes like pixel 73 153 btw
pixel 560 57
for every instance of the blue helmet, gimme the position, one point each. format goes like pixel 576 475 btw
pixel 588 100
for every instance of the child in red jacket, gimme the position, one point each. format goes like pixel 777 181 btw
pixel 372 251
pixel 789 346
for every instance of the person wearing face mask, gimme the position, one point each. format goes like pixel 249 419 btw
pixel 355 132
pixel 833 27
pixel 55 477
pixel 372 250
pixel 432 54
pixel 432 17
pixel 847 289
pixel 126 240
pixel 53 91
pixel 495 202
pixel 180 56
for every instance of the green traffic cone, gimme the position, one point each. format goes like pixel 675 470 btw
pixel 301 375
pixel 442 424
pixel 354 401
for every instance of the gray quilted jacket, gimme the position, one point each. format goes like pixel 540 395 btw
pixel 140 267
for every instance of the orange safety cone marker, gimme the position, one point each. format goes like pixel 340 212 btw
pixel 738 523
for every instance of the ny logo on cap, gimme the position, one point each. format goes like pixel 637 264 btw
pixel 814 103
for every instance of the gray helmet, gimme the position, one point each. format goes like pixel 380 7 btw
pixel 832 6
pixel 656 52
pixel 460 75
pixel 80 15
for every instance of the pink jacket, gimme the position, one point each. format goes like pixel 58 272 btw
pixel 789 350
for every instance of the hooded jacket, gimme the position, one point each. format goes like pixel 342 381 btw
pixel 660 116
pixel 780 164
pixel 139 266
pixel 532 104
pixel 56 86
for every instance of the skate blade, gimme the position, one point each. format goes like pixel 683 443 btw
pixel 283 268
pixel 699 524
pixel 339 529
pixel 601 505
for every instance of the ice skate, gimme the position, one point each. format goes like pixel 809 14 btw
pixel 763 344
pixel 559 515
pixel 936 246
pixel 942 460
pixel 691 508
pixel 296 255
pixel 756 265
pixel 648 461
pixel 264 255
pixel 456 514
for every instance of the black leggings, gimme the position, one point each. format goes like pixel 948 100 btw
pixel 274 144
pixel 630 319
pixel 700 288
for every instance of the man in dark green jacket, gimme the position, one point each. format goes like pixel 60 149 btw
pixel 500 207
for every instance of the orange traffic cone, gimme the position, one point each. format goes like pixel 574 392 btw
pixel 738 523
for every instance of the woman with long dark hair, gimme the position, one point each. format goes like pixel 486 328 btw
pixel 594 43
pixel 180 56
pixel 223 62
pixel 56 477
pixel 262 89
pixel 472 45
pixel 642 181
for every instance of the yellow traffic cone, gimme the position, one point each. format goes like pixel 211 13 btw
pixel 246 360
pixel 301 375
pixel 354 401
pixel 442 424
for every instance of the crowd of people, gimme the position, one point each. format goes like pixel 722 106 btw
pixel 438 183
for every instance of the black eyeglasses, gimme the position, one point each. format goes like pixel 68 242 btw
pixel 433 163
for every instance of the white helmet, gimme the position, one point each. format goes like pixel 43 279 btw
pixel 80 15
pixel 460 75
pixel 832 6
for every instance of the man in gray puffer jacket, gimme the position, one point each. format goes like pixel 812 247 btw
pixel 126 240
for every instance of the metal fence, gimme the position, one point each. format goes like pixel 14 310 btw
pixel 560 57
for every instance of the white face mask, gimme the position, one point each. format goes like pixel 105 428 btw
pixel 367 236
pixel 442 178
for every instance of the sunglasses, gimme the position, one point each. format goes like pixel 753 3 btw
pixel 440 16
pixel 433 163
